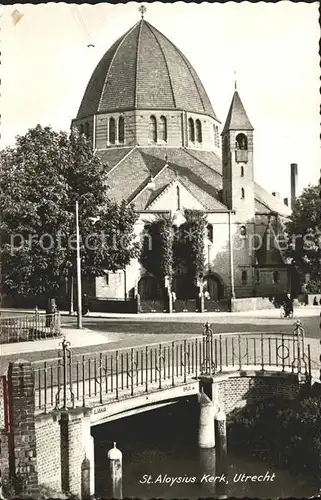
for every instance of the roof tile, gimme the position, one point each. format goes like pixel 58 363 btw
pixel 143 69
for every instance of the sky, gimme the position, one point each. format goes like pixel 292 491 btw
pixel 272 48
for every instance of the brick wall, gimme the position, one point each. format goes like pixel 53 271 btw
pixel 4 429
pixel 76 446
pixel 137 129
pixel 4 454
pixel 233 392
pixel 102 129
pixel 48 450
pixel 23 434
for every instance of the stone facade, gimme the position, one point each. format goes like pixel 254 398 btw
pixel 258 282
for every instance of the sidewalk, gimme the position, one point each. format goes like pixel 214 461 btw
pixel 78 338
pixel 302 311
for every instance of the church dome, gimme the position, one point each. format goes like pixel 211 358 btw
pixel 144 70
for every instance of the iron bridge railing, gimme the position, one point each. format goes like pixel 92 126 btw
pixel 96 378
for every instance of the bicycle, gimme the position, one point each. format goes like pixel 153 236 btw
pixel 284 314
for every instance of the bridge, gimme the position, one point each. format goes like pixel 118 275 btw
pixel 109 377
pixel 56 402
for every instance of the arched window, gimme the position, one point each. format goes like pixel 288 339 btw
pixel 218 137
pixel 112 131
pixel 241 141
pixel 81 129
pixel 198 131
pixel 215 135
pixel 178 198
pixel 163 129
pixel 147 239
pixel 121 129
pixel 244 277
pixel 243 231
pixel 152 129
pixel 242 171
pixel 276 277
pixel 209 231
pixel 191 130
pixel 242 193
pixel 87 130
pixel 257 277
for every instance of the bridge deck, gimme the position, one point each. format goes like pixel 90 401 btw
pixel 92 379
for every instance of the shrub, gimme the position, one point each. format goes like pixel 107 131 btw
pixel 288 431
pixel 313 286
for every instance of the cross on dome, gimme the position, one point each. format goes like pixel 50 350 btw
pixel 142 9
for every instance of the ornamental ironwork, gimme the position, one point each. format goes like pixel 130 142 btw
pixel 208 366
pixel 64 376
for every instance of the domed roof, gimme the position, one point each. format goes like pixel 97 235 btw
pixel 144 70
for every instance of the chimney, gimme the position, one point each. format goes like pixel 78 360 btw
pixel 276 194
pixel 286 201
pixel 294 183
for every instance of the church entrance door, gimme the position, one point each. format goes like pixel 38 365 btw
pixel 148 288
pixel 214 286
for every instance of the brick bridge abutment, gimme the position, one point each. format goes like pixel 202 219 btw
pixel 56 448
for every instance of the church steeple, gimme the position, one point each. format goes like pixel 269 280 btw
pixel 237 168
pixel 237 118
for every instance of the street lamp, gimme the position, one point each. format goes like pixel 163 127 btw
pixel 79 288
pixel 79 308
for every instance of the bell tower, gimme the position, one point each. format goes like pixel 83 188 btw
pixel 237 157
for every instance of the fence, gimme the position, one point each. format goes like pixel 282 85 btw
pixel 29 327
pixel 95 378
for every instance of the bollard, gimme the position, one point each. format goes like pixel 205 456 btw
pixel 115 471
pixel 220 431
pixel 206 434
pixel 85 479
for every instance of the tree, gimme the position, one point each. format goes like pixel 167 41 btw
pixel 304 232
pixel 42 177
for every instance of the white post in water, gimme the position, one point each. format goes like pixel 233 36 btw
pixel 206 433
pixel 220 427
pixel 115 470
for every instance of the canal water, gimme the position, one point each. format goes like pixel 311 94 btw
pixel 161 459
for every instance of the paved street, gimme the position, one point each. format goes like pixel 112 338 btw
pixel 115 331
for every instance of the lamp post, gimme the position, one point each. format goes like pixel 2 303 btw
pixel 79 308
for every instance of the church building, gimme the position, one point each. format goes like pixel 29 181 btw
pixel 152 124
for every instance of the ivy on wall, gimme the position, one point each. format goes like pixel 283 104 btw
pixel 166 252
pixel 157 249
pixel 189 246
